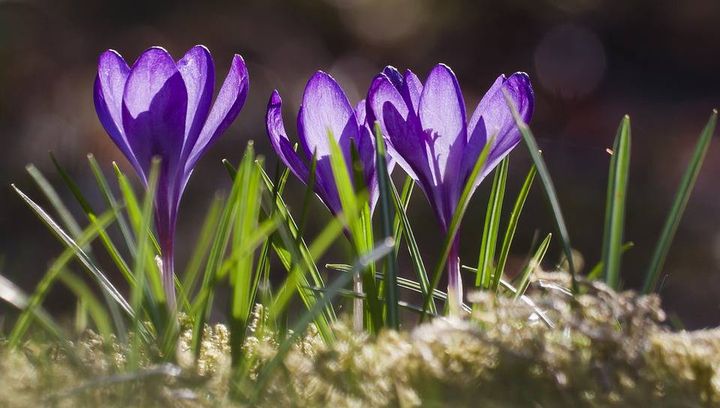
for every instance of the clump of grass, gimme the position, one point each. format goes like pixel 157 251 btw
pixel 514 346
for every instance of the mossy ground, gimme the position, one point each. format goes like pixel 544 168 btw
pixel 604 349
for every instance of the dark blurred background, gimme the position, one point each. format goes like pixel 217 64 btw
pixel 591 62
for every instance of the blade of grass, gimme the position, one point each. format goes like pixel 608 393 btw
pixel 456 220
pixel 204 298
pixel 139 269
pixel 532 264
pixel 353 208
pixel 407 190
pixel 308 317
pixel 113 296
pixel 615 204
pixel 679 203
pixel 94 307
pixel 549 187
pixel 491 226
pixel 12 294
pixel 65 215
pixel 512 226
pixel 112 202
pixel 386 215
pixel 87 208
pixel 296 257
pixel 202 247
pixel 242 298
pixel 596 271
pixel 415 256
pixel 43 287
pixel 108 244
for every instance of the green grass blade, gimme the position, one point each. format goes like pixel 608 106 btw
pixel 140 272
pixel 296 257
pixel 65 215
pixel 597 270
pixel 386 216
pixel 357 211
pixel 490 229
pixel 94 307
pixel 331 291
pixel 132 206
pixel 112 202
pixel 415 256
pixel 13 295
pixel 91 216
pixel 113 296
pixel 405 196
pixel 615 204
pixel 456 220
pixel 72 186
pixel 204 298
pixel 512 226
pixel 52 274
pixel 679 203
pixel 549 187
pixel 533 264
pixel 242 297
pixel 202 247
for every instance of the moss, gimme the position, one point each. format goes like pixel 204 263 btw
pixel 604 349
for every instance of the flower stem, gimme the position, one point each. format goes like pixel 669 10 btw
pixel 455 288
pixel 168 277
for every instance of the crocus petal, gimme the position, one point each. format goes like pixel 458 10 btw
pixel 325 110
pixel 361 113
pixel 110 82
pixel 412 89
pixel 365 144
pixel 405 139
pixel 394 76
pixel 198 72
pixel 442 115
pixel 154 109
pixel 492 118
pixel 280 142
pixel 228 103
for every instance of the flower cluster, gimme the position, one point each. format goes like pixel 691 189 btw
pixel 163 108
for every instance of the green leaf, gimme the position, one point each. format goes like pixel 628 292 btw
pixel 596 271
pixel 52 274
pixel 549 186
pixel 111 201
pixel 13 295
pixel 331 291
pixel 296 257
pixel 94 307
pixel 532 264
pixel 139 268
pixel 386 216
pixel 456 220
pixel 407 190
pixel 415 256
pixel 65 215
pixel 678 208
pixel 242 295
pixel 512 226
pixel 202 305
pixel 356 208
pixel 200 252
pixel 615 205
pixel 490 229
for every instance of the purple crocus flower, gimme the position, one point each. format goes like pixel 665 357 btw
pixel 427 130
pixel 164 108
pixel 325 110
